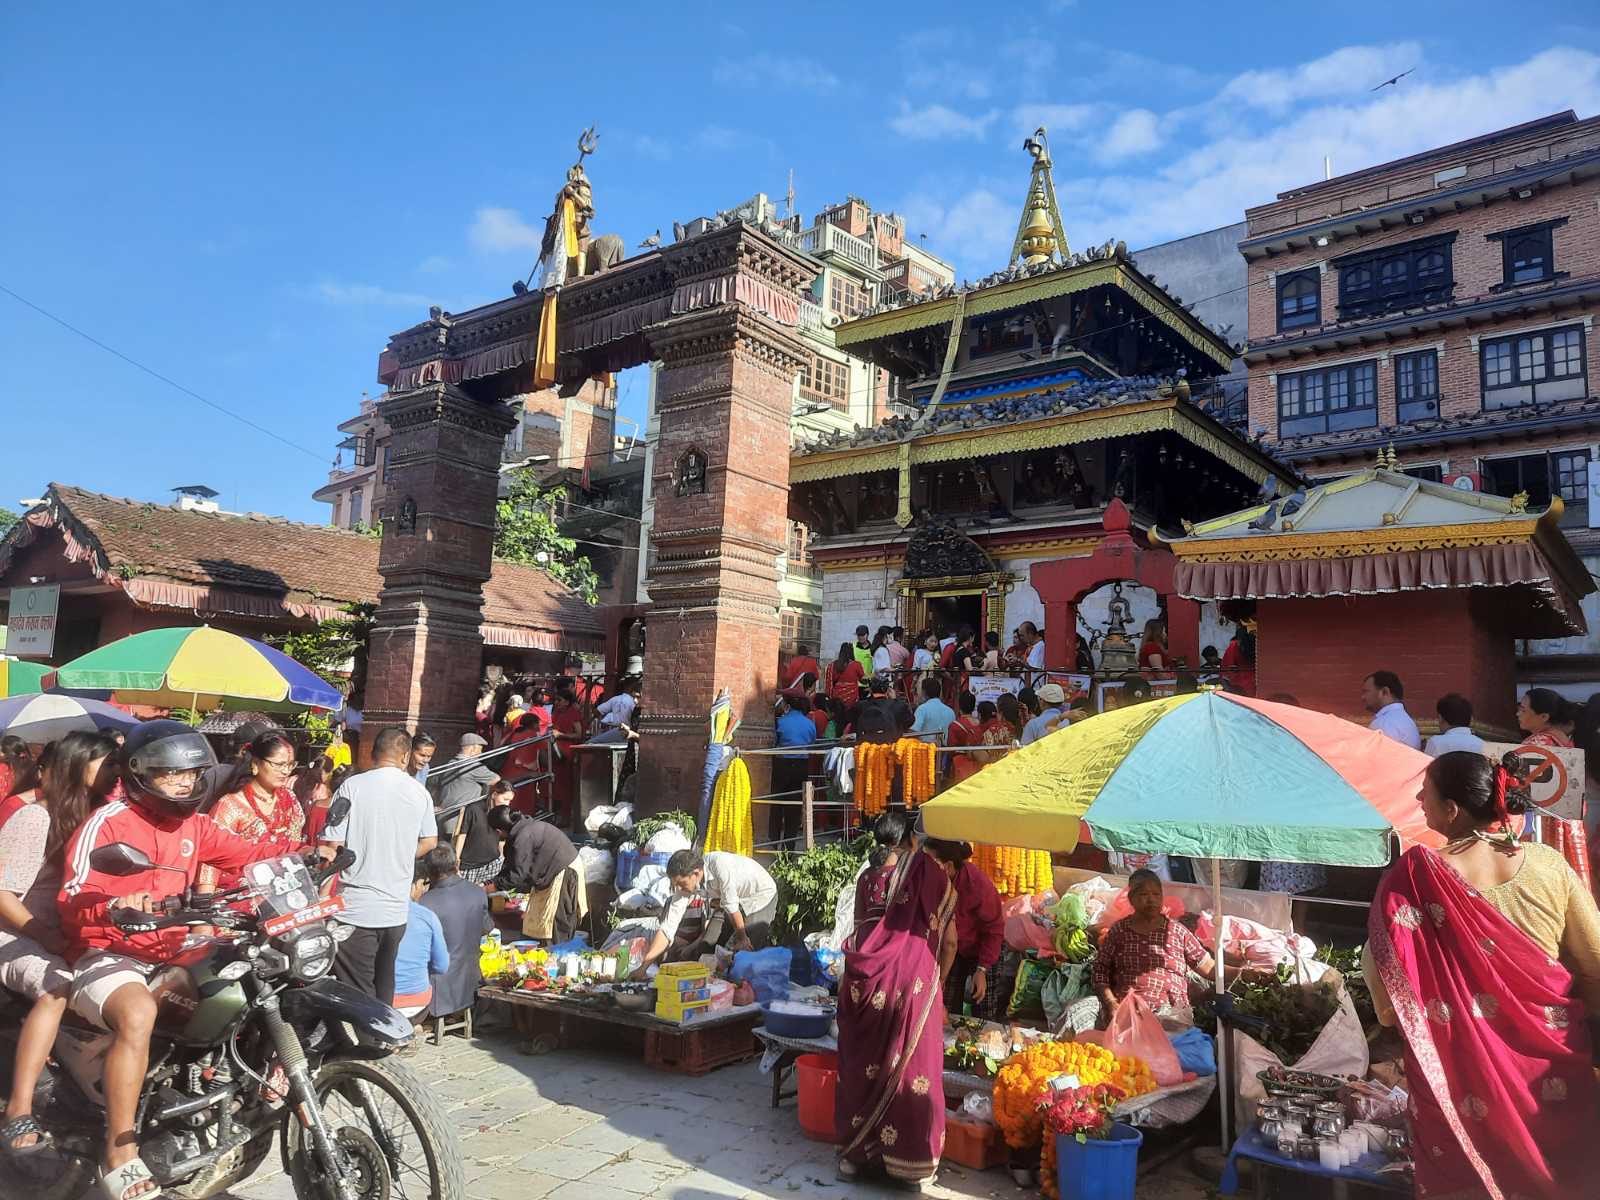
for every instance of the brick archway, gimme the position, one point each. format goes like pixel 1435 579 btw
pixel 717 311
pixel 1063 583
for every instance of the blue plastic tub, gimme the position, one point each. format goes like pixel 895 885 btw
pixel 1099 1168
pixel 793 1026
pixel 629 862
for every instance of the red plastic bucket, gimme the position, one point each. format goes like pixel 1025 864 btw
pixel 819 1076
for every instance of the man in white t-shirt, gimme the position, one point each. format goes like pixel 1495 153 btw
pixel 1384 697
pixel 389 826
pixel 618 710
pixel 724 885
pixel 1034 640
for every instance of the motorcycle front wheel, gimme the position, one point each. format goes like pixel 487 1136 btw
pixel 393 1138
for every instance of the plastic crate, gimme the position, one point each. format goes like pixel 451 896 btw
pixel 973 1144
pixel 695 1051
pixel 629 862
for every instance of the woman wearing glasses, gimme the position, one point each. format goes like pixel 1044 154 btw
pixel 264 810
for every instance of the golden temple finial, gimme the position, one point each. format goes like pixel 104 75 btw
pixel 1041 236
pixel 1387 459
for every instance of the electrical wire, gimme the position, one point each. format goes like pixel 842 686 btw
pixel 154 374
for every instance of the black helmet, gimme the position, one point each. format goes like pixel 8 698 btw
pixel 157 746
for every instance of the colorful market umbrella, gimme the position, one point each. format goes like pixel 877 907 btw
pixel 39 719
pixel 1212 775
pixel 18 678
pixel 200 668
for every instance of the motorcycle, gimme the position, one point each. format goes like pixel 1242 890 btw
pixel 252 1040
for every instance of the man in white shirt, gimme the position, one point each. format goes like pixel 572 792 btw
pixel 389 826
pixel 725 885
pixel 618 710
pixel 1455 727
pixel 1034 640
pixel 1384 696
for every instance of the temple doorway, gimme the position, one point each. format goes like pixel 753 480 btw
pixel 947 614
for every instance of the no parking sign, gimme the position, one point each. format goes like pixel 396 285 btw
pixel 1554 774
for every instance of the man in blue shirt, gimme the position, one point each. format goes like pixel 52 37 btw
pixel 1052 697
pixel 933 714
pixel 790 771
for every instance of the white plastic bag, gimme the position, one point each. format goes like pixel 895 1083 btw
pixel 1340 1049
pixel 669 839
pixel 979 1106
pixel 596 864
pixel 620 815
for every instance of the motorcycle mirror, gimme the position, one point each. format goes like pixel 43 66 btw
pixel 337 811
pixel 119 858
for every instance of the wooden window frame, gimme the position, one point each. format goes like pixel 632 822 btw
pixel 1302 318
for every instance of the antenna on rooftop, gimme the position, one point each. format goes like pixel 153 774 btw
pixel 1327 167
pixel 788 197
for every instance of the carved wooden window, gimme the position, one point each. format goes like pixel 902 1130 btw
pixel 845 297
pixel 1395 277
pixel 1298 300
pixel 1527 253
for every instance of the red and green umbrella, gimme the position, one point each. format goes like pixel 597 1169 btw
pixel 199 668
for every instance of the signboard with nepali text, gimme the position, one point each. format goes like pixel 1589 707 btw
pixel 1554 774
pixel 31 626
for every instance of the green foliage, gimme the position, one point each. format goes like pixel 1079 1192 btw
pixel 7 520
pixel 646 828
pixel 1348 964
pixel 809 884
pixel 525 531
pixel 372 531
pixel 332 646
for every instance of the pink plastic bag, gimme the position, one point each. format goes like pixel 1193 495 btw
pixel 1026 927
pixel 1135 1032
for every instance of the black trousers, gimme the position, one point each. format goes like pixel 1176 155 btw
pixel 365 961
pixel 788 775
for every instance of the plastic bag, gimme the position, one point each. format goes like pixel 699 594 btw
pixel 767 971
pixel 1026 995
pixel 1065 986
pixel 620 815
pixel 597 865
pixel 668 839
pixel 1340 1049
pixel 1028 925
pixel 1135 1032
pixel 979 1106
pixel 1196 1052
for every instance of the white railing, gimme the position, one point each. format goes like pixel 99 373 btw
pixel 827 239
pixel 812 316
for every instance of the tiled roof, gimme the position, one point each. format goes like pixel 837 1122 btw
pixel 1489 421
pixel 309 565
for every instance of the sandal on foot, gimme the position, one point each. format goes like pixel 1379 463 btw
pixel 20 1127
pixel 119 1182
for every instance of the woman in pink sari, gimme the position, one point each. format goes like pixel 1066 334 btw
pixel 1487 956
pixel 889 1106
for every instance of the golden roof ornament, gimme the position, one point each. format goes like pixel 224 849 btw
pixel 1041 236
pixel 1519 502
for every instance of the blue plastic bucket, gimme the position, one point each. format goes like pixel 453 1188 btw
pixel 1099 1168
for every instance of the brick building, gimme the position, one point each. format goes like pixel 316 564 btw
pixel 1443 304
pixel 125 566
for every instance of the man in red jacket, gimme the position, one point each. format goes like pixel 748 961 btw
pixel 168 770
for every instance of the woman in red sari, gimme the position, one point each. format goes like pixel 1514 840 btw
pixel 566 719
pixel 1539 714
pixel 1487 956
pixel 264 810
pixel 889 1105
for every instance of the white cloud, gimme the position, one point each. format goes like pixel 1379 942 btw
pixel 772 70
pixel 434 264
pixel 1135 132
pixel 365 294
pixel 1349 71
pixel 652 147
pixel 936 121
pixel 501 229
pixel 1228 156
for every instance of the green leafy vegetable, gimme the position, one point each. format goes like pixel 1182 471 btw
pixel 646 828
pixel 809 885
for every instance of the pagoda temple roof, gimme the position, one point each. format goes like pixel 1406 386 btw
pixel 1023 284
pixel 1086 411
pixel 1380 531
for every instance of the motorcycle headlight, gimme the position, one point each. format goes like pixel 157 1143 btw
pixel 313 955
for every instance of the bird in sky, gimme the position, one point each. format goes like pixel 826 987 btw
pixel 1396 79
pixel 651 242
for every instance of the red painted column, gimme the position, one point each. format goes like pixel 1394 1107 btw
pixel 1183 629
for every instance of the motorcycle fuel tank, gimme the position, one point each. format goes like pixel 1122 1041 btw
pixel 193 1005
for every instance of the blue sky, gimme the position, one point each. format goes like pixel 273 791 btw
pixel 248 199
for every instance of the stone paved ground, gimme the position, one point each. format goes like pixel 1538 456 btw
pixel 587 1124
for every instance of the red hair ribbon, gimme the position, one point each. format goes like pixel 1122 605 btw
pixel 1502 781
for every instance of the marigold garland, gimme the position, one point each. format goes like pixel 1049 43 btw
pixel 876 765
pixel 1014 870
pixel 917 770
pixel 1021 1083
pixel 732 828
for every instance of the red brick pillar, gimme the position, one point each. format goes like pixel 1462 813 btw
pixel 426 650
pixel 724 398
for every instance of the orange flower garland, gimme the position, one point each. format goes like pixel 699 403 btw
pixel 917 770
pixel 1021 1083
pixel 1015 871
pixel 876 765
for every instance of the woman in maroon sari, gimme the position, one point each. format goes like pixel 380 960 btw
pixel 889 1106
pixel 1487 956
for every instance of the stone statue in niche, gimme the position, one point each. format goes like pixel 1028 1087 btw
pixel 691 473
pixel 938 551
pixel 406 522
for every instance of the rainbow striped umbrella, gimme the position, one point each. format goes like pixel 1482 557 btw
pixel 200 668
pixel 1212 775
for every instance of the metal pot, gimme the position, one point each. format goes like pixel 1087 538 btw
pixel 1271 1129
pixel 1329 1120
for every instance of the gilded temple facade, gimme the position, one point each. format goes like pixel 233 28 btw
pixel 1063 407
